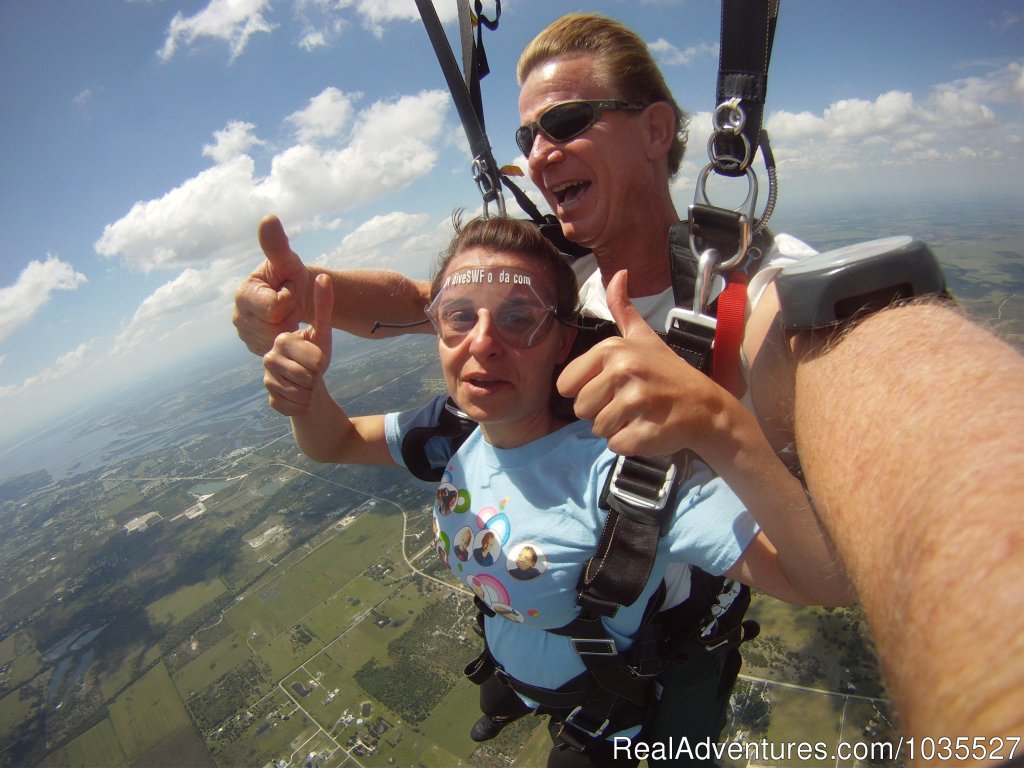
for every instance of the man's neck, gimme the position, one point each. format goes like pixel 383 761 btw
pixel 644 252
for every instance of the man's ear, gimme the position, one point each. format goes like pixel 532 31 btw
pixel 661 129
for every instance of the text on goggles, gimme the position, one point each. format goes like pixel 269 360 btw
pixel 518 314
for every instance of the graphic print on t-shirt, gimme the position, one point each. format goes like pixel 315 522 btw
pixel 526 561
pixel 476 546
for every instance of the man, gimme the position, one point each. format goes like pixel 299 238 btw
pixel 609 186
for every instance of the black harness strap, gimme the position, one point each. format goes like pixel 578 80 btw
pixel 748 31
pixel 485 169
pixel 453 424
pixel 474 57
pixel 636 496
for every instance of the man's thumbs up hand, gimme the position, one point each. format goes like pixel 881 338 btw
pixel 641 396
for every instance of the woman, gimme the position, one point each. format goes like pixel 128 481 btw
pixel 503 302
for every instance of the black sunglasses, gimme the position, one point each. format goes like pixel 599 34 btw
pixel 563 121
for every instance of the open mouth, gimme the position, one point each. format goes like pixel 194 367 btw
pixel 569 191
pixel 484 382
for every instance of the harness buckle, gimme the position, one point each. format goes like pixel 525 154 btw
pixel 573 719
pixel 711 225
pixel 655 504
pixel 594 646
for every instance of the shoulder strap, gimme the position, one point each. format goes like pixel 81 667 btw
pixel 452 424
pixel 637 496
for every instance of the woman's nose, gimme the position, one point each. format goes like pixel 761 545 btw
pixel 484 336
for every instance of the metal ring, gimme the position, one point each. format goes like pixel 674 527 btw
pixel 729 163
pixel 485 183
pixel 736 117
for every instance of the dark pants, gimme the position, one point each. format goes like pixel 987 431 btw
pixel 693 705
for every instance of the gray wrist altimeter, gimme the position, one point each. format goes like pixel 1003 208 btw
pixel 832 287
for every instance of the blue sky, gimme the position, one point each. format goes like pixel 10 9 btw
pixel 142 142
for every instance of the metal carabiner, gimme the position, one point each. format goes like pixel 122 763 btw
pixel 489 189
pixel 707 264
pixel 745 220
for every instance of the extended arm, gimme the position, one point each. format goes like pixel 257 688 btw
pixel 278 296
pixel 911 433
pixel 294 377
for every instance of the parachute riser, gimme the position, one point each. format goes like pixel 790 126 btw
pixel 485 170
pixel 720 237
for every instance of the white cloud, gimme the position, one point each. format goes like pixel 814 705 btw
pixel 214 214
pixel 32 290
pixel 320 21
pixel 326 115
pixel 234 140
pixel 382 229
pixel 375 14
pixel 1007 19
pixel 194 293
pixel 857 118
pixel 202 218
pixel 379 240
pixel 233 21
pixel 802 125
pixel 65 365
pixel 970 119
pixel 669 55
pixel 83 100
pixel 312 40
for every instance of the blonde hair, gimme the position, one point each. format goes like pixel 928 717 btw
pixel 623 63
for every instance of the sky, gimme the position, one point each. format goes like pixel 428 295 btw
pixel 143 140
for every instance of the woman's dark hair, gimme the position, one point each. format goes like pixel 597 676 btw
pixel 519 236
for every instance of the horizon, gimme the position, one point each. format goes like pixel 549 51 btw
pixel 142 159
pixel 824 226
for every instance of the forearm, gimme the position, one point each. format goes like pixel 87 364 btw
pixel 323 430
pixel 366 296
pixel 912 440
pixel 810 570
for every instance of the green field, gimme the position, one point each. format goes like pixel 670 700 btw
pixel 8 649
pixel 17 650
pixel 804 717
pixel 15 710
pixel 184 602
pixel 449 723
pixel 148 713
pixel 133 660
pixel 329 620
pixel 286 599
pixel 289 649
pixel 96 747
pixel 211 665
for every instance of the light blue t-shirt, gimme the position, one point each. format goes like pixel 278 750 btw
pixel 518 525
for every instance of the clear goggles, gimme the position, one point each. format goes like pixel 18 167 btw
pixel 568 119
pixel 517 312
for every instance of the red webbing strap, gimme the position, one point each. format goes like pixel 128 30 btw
pixel 732 305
